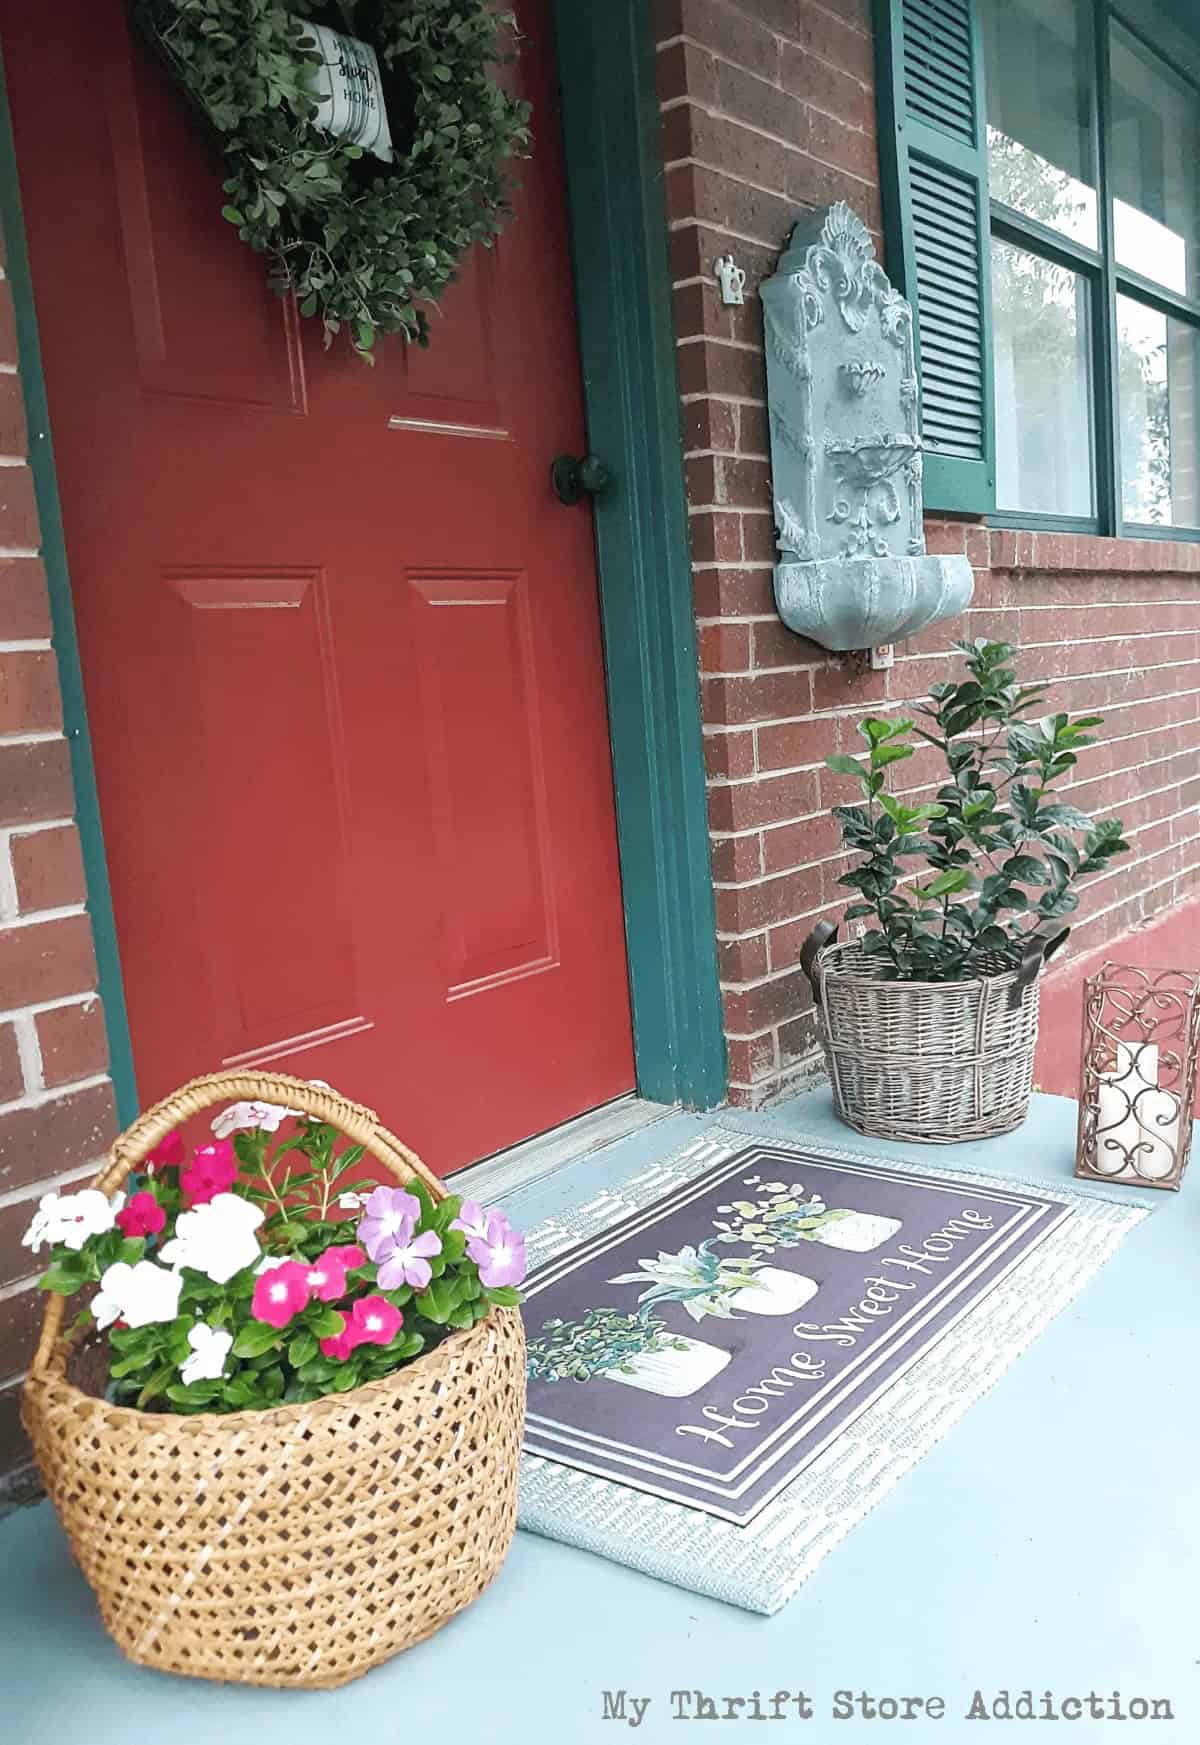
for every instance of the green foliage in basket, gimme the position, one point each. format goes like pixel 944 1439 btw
pixel 995 854
pixel 260 1270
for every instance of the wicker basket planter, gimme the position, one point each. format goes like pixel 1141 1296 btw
pixel 936 1062
pixel 303 1544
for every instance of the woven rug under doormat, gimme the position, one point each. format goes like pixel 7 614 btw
pixel 734 1356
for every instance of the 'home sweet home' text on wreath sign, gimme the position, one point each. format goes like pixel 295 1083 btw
pixel 365 142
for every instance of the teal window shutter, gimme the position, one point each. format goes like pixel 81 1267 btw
pixel 933 151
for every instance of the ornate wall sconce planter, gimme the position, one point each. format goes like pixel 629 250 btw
pixel 846 446
pixel 1141 1038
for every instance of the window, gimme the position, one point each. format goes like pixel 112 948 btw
pixel 1058 314
pixel 1041 340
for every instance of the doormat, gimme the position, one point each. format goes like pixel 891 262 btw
pixel 736 1356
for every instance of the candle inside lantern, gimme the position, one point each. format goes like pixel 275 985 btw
pixel 1119 1133
pixel 1158 1124
pixel 1156 1110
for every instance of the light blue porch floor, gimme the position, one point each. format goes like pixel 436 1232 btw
pixel 1049 1542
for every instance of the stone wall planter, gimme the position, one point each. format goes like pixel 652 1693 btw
pixel 846 449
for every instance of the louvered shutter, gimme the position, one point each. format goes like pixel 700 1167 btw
pixel 933 150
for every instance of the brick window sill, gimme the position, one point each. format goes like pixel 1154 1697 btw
pixel 1020 548
pixel 1024 549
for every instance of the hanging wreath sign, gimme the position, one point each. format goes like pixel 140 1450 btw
pixel 366 143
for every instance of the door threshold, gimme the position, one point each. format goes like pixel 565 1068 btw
pixel 496 1177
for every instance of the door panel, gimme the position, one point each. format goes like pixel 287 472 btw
pixel 177 259
pixel 341 644
pixel 467 629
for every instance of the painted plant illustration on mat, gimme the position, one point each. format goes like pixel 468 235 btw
pixel 781 1216
pixel 638 1349
pixel 703 1284
pixel 751 1312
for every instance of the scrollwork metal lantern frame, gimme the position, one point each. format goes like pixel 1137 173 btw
pixel 1141 1045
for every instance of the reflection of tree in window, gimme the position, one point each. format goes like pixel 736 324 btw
pixel 1039 114
pixel 1034 186
pixel 1157 362
pixel 1145 414
pixel 1042 423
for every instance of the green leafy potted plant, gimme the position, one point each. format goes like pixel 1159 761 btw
pixel 929 1020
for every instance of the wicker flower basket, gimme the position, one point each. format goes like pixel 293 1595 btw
pixel 936 1062
pixel 300 1545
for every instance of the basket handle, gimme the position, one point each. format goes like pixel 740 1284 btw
pixel 1039 948
pixel 823 934
pixel 131 1148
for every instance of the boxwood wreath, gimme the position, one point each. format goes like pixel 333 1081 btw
pixel 362 243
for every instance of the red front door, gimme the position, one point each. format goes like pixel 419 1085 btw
pixel 340 641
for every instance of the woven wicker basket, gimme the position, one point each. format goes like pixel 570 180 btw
pixel 936 1062
pixel 300 1545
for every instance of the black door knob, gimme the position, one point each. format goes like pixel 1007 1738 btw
pixel 573 478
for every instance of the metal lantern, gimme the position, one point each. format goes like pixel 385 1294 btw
pixel 1141 1038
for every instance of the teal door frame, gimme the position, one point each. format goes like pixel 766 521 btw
pixel 627 344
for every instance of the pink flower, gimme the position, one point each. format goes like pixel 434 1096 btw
pixel 340 1345
pixel 499 1253
pixel 373 1321
pixel 168 1153
pixel 390 1215
pixel 349 1253
pixel 326 1275
pixel 405 1260
pixel 143 1216
pixel 280 1293
pixel 213 1170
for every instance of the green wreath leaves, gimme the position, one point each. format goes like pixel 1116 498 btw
pixel 363 244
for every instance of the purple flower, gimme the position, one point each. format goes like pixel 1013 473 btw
pixel 471 1220
pixel 389 1217
pixel 404 1259
pixel 499 1253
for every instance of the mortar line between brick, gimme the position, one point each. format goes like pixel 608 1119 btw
pixel 41 1099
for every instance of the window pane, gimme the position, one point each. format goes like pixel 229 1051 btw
pixel 1155 173
pixel 1039 83
pixel 1157 365
pixel 1043 422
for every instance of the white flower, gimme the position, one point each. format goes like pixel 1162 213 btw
pixel 140 1295
pixel 210 1348
pixel 72 1218
pixel 269 1262
pixel 216 1239
pixel 351 1202
pixel 238 1116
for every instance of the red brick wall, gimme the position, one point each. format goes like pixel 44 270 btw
pixel 768 107
pixel 56 1104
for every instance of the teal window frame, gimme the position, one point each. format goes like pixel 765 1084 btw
pixel 948 487
pixel 1107 280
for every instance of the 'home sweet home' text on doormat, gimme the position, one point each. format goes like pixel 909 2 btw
pixel 733 1361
